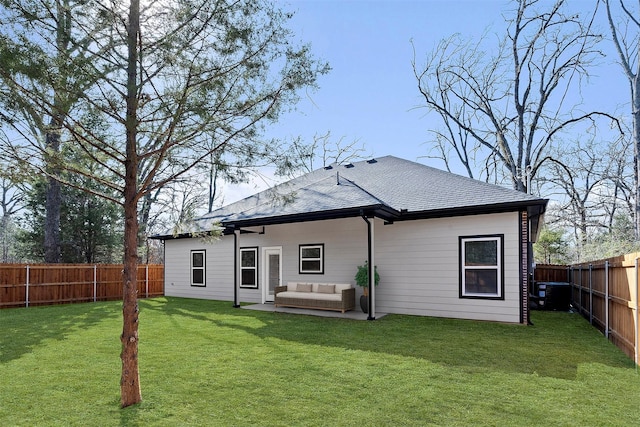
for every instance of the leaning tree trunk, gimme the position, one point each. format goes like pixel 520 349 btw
pixel 130 381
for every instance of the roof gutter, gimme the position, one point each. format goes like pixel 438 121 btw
pixel 535 209
pixel 380 211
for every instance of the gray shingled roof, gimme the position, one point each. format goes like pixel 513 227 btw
pixel 390 187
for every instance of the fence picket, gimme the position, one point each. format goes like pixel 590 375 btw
pixel 606 299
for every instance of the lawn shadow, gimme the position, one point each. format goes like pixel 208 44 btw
pixel 555 346
pixel 130 416
pixel 24 329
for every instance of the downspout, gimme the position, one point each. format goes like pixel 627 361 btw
pixel 371 265
pixel 164 269
pixel 236 258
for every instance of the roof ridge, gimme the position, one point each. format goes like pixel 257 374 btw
pixel 476 181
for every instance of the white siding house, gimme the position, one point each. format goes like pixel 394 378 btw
pixel 444 245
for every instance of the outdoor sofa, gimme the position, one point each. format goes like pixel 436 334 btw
pixel 321 296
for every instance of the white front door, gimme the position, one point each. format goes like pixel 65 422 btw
pixel 272 272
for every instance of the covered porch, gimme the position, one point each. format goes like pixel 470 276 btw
pixel 272 255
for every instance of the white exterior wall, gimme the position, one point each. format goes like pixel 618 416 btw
pixel 345 247
pixel 218 269
pixel 417 262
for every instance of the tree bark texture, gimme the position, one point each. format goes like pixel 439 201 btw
pixel 130 392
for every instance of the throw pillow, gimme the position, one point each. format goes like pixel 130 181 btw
pixel 326 289
pixel 304 287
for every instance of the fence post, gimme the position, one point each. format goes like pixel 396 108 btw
pixel 635 349
pixel 26 292
pixel 95 282
pixel 590 294
pixel 570 279
pixel 146 279
pixel 580 290
pixel 606 299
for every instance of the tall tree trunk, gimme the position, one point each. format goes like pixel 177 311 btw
pixel 635 96
pixel 130 392
pixel 130 381
pixel 53 135
pixel 628 58
pixel 52 253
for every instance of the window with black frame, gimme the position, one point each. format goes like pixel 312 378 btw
pixel 249 268
pixel 198 262
pixel 481 267
pixel 312 259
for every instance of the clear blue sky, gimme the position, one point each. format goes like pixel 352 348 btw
pixel 371 93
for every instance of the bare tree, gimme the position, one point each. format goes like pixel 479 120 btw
pixel 621 180
pixel 11 202
pixel 324 150
pixel 625 33
pixel 502 110
pixel 585 179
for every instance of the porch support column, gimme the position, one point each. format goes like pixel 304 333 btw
pixel 236 266
pixel 371 264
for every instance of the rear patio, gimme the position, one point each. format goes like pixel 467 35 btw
pixel 352 314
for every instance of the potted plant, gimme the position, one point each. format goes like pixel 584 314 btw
pixel 362 280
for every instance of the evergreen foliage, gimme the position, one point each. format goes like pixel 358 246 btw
pixel 90 227
pixel 551 247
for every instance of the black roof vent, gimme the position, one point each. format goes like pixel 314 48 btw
pixel 372 161
pixel 328 168
pixel 349 166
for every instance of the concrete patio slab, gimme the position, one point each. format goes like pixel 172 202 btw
pixel 352 314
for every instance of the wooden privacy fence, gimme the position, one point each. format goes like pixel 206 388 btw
pixel 606 293
pixel 24 285
pixel 551 273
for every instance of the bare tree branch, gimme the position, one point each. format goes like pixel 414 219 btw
pixel 511 102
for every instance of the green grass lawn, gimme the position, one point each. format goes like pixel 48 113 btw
pixel 206 363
